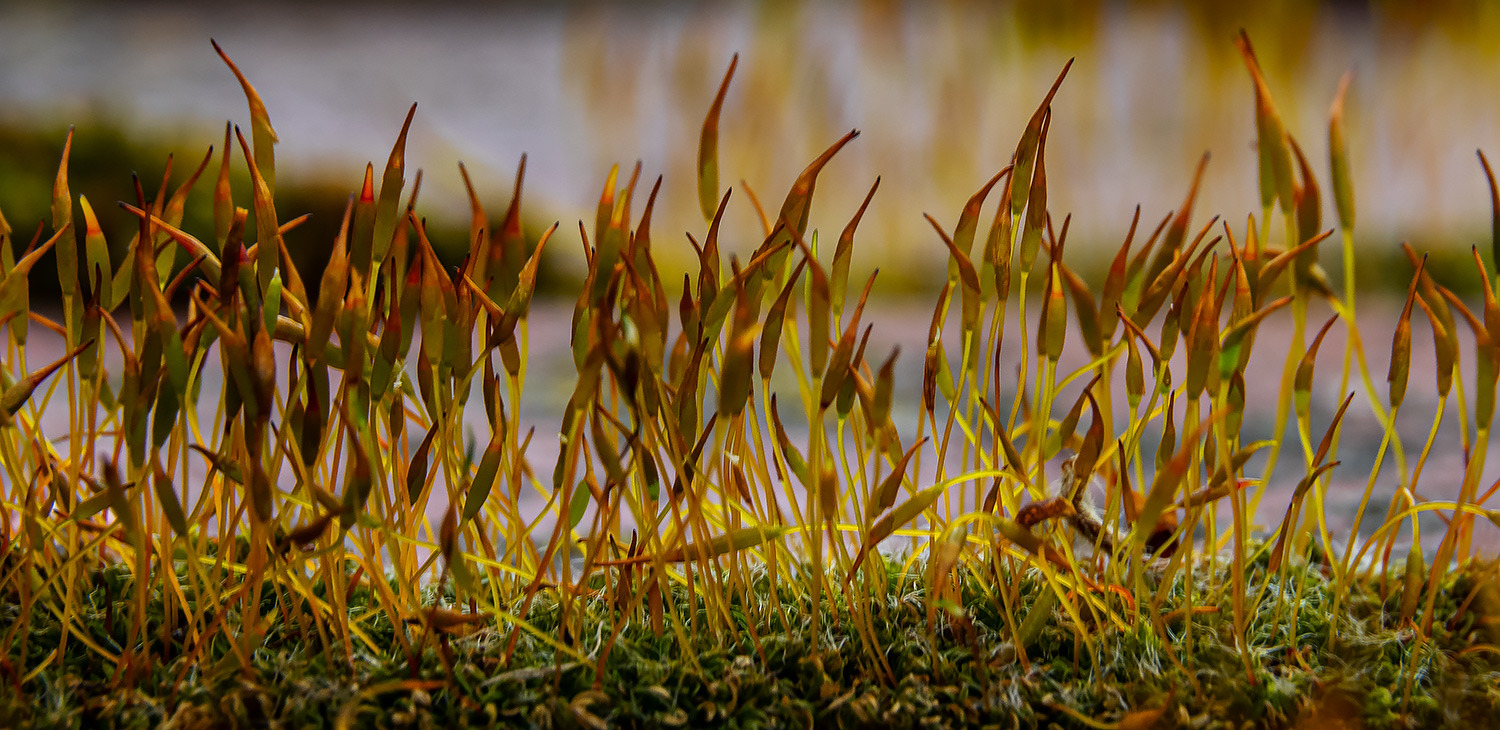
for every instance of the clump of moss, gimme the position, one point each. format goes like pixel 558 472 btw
pixel 731 467
pixel 951 669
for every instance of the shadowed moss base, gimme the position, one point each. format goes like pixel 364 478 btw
pixel 960 671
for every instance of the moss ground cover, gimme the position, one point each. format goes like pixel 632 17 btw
pixel 734 529
pixel 961 669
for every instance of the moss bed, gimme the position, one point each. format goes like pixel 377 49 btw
pixel 958 671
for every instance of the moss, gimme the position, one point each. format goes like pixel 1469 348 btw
pixel 1013 629
pixel 943 675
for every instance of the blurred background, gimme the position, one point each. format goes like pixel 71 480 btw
pixel 939 90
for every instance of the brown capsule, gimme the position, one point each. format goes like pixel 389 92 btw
pixel 968 279
pixel 880 405
pixel 1401 344
pixel 1494 214
pixel 1026 151
pixel 890 487
pixel 13 397
pixel 508 254
pixel 1114 284
pixel 307 534
pixel 1309 209
pixel 843 252
pixel 384 227
pixel 1338 157
pixel 968 221
pixel 1276 181
pixel 739 354
pixel 1176 233
pixel 798 204
pixel 708 147
pixel 1054 320
pixel 1036 202
pixel 770 338
pixel 62 219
